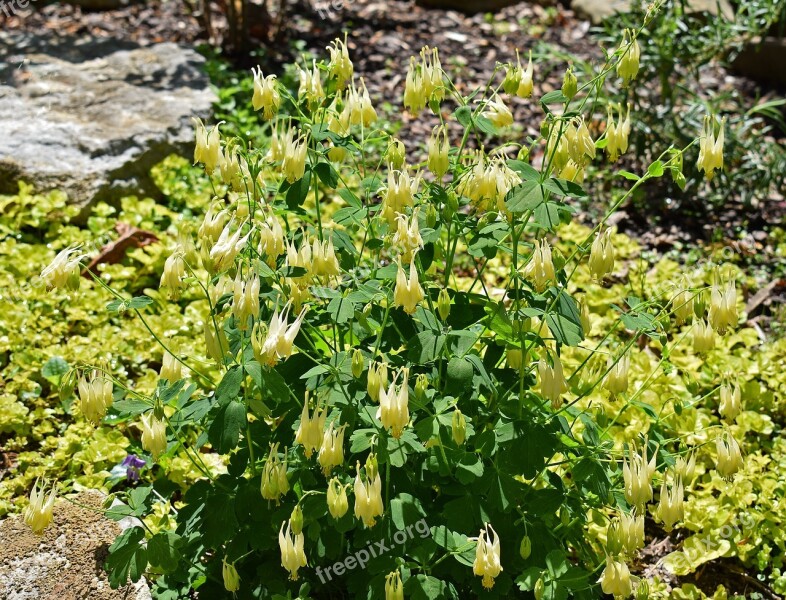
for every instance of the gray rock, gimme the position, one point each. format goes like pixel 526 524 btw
pixel 468 6
pixel 66 561
pixel 597 10
pixel 90 117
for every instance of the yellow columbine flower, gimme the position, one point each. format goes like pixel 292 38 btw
pixel 38 514
pixel 266 96
pixel 711 147
pixel 292 554
pixel 487 556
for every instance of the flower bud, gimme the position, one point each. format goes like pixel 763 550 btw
pixel 451 206
pixel 153 434
pixel 337 502
pixel 614 538
pixel 458 427
pixel 38 513
pixel 421 386
pixel 643 589
pixel 230 576
pixel 540 589
pixel 396 154
pixel 438 148
pixel 296 519
pixel 431 216
pixel 525 548
pixel 569 84
pixel 443 304
pixel 358 363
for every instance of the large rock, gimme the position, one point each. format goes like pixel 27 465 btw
pixel 90 117
pixel 597 10
pixel 66 562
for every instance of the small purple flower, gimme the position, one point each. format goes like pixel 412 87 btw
pixel 132 463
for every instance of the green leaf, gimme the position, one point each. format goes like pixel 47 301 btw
pixel 425 587
pixel 127 557
pixel 628 175
pixel 463 115
pixel 327 174
pixel 526 170
pixel 229 388
pixel 546 215
pixel 553 97
pixel 655 169
pixel 139 302
pixel 163 550
pixel 425 347
pixel 341 310
pixel 525 196
pixel 224 431
pixel 469 468
pixel 297 192
pixel 54 369
pixel 565 323
pixel 405 510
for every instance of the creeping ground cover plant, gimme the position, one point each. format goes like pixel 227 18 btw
pixel 419 379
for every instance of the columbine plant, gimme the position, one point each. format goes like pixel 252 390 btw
pixel 406 339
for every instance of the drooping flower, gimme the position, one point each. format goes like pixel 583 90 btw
pixel 63 272
pixel 153 434
pixel 310 430
pixel 637 474
pixel 266 96
pixel 487 556
pixel 274 475
pixel 394 589
pixel 393 409
pixel 601 260
pixel 408 293
pixel 340 66
pixel 293 556
pixel 276 343
pixel 230 576
pixel 540 269
pixel 95 395
pixel 729 454
pixel 628 65
pixel 337 502
pixel 368 496
pixel 671 508
pixel 615 579
pixel 730 405
pixel 438 148
pixel 331 453
pixel 552 380
pixel 711 147
pixel 38 514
